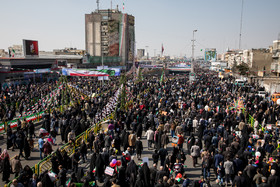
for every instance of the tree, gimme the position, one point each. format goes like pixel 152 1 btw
pixel 243 68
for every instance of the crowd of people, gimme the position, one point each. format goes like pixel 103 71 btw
pixel 206 120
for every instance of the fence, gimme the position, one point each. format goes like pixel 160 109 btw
pixel 46 164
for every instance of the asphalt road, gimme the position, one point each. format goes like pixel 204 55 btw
pixel 193 173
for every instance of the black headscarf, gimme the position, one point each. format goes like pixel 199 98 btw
pixel 26 148
pixel 99 163
pixel 6 169
pixel 46 181
pixel 131 172
pixel 92 161
pixel 80 174
pixel 145 174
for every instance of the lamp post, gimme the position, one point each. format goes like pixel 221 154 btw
pixel 192 63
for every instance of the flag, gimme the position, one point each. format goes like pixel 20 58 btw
pixel 68 182
pixel 162 48
pixel 2 127
pixel 108 71
pixel 170 170
pixel 161 78
pixel 123 6
pixel 12 51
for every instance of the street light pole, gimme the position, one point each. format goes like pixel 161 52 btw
pixel 192 63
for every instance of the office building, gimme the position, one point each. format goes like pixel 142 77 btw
pixel 140 53
pixel 110 36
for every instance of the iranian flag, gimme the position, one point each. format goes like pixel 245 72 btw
pixel 31 118
pixel 41 115
pixel 13 124
pixel 2 127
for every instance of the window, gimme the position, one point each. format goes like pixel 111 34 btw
pixel 105 17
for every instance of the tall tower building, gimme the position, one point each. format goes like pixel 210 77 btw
pixel 110 34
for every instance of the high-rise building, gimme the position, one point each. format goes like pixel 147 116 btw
pixel 140 53
pixel 110 35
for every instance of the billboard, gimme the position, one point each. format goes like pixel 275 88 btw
pixel 113 37
pixel 210 54
pixel 30 48
pixel 131 43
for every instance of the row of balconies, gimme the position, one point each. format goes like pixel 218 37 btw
pixel 275 67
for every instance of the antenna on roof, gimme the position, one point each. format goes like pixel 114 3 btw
pixel 279 36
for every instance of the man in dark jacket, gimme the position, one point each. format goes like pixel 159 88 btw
pixel 162 153
pixel 239 180
pixel 61 176
pixel 153 173
pixel 273 180
pixel 160 174
pixel 75 160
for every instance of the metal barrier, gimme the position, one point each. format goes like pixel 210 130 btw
pixel 9 184
pixel 45 164
pixel 79 139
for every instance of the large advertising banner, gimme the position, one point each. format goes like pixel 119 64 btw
pixel 82 73
pixel 210 54
pixel 30 48
pixel 131 38
pixel 131 43
pixel 113 38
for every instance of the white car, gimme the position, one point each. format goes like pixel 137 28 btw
pixel 261 94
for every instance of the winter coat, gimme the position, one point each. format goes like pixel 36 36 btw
pixel 195 151
pixel 132 139
pixel 150 135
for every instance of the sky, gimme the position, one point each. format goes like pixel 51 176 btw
pixel 57 24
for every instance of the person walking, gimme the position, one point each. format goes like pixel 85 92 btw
pixel 139 148
pixel 20 143
pixel 195 152
pixel 26 148
pixel 16 166
pixel 162 154
pixel 229 171
pixel 83 151
pixel 47 149
pixel 150 136
pixel 6 166
pixel 41 144
pixel 180 140
pixel 132 141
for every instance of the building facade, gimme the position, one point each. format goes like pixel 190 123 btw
pixel 110 34
pixel 275 66
pixel 140 53
pixel 258 60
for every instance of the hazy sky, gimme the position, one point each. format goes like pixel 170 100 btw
pixel 61 23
